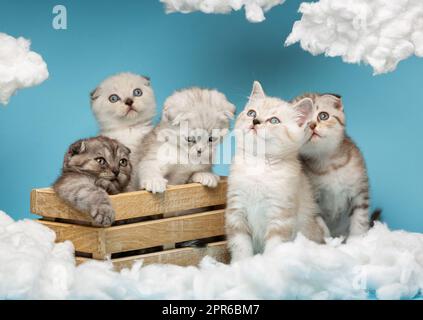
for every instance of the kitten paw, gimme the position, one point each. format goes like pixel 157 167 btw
pixel 103 215
pixel 157 185
pixel 110 187
pixel 206 179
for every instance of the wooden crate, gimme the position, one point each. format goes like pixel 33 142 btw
pixel 140 231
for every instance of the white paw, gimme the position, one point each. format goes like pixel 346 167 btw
pixel 157 185
pixel 206 179
pixel 103 215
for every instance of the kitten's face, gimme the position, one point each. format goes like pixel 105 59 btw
pixel 199 144
pixel 327 125
pixel 100 157
pixel 276 126
pixel 124 98
pixel 200 119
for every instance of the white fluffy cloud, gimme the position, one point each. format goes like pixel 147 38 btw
pixel 380 33
pixel 19 67
pixel 388 262
pixel 254 9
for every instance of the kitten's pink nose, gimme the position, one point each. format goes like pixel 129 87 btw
pixel 129 102
pixel 312 125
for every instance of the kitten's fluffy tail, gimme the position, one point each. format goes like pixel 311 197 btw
pixel 376 216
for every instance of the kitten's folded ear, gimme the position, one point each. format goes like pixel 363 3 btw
pixel 228 111
pixel 126 149
pixel 173 114
pixel 257 92
pixel 77 147
pixel 335 99
pixel 304 110
pixel 94 94
pixel 148 83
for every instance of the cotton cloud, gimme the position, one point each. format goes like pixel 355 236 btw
pixel 19 67
pixel 254 9
pixel 380 33
pixel 387 262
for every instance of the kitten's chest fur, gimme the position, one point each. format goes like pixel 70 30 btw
pixel 129 136
pixel 259 190
pixel 334 191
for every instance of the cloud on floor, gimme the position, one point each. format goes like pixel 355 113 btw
pixel 389 263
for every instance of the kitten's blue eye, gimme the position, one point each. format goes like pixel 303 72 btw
pixel 323 116
pixel 274 120
pixel 252 113
pixel 137 93
pixel 114 98
pixel 101 160
pixel 190 139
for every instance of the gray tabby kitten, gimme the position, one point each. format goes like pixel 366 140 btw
pixel 92 169
pixel 336 168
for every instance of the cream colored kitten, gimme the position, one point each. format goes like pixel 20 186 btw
pixel 124 105
pixel 270 199
pixel 336 168
pixel 181 148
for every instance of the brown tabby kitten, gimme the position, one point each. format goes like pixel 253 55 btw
pixel 336 168
pixel 92 169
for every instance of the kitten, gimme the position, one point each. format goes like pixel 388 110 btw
pixel 92 169
pixel 270 199
pixel 336 168
pixel 181 148
pixel 124 105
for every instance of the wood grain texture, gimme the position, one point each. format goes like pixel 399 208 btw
pixel 45 203
pixel 84 239
pixel 102 242
pixel 181 257
pixel 164 231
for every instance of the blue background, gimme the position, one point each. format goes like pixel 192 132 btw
pixel 226 52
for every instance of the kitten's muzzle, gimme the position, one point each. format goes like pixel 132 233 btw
pixel 116 172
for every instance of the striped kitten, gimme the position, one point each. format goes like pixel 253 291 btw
pixel 336 168
pixel 270 199
pixel 92 169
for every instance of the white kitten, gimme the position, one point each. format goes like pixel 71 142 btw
pixel 124 105
pixel 270 199
pixel 181 148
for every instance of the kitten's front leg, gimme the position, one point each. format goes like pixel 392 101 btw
pixel 359 214
pixel 150 177
pixel 206 179
pixel 240 242
pixel 110 187
pixel 86 197
pixel 281 228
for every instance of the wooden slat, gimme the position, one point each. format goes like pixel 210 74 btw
pixel 181 257
pixel 102 242
pixel 84 239
pixel 45 203
pixel 163 231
